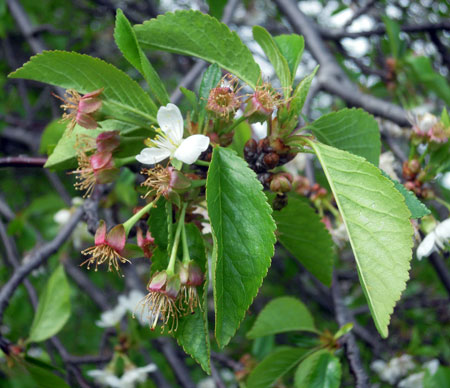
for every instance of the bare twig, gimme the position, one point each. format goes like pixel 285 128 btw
pixel 441 270
pixel 350 345
pixel 38 257
pixel 216 376
pixel 22 161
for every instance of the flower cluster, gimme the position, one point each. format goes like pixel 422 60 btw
pixel 435 240
pixel 429 128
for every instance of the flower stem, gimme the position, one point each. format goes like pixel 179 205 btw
pixel 119 162
pixel 202 163
pixel 198 183
pixel 171 267
pixel 136 217
pixel 186 257
pixel 235 124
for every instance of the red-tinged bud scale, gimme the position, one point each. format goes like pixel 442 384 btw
pixel 191 277
pixel 146 243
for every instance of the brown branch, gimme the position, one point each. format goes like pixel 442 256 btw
pixel 381 30
pixel 22 161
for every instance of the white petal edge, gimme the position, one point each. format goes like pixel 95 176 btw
pixel 152 155
pixel 426 247
pixel 191 148
pixel 171 122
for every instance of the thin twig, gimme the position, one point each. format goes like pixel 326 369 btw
pixel 22 161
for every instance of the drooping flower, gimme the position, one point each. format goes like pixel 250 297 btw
pixel 93 169
pixel 160 302
pixel 434 240
pixel 81 108
pixel 146 243
pixel 191 277
pixel 169 142
pixel 108 248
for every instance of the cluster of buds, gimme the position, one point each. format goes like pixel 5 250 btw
pixel 428 128
pixel 223 100
pixel 96 167
pixel 414 175
pixel 80 109
pixel 172 295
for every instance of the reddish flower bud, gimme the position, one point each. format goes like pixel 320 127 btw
pixel 145 243
pixel 280 183
pixel 108 141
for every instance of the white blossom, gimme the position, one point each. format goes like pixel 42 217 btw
pixel 393 370
pixel 434 240
pixel 112 317
pixel 169 142
pixel 412 381
pixel 388 164
pixel 129 379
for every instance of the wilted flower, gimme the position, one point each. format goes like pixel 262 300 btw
pixel 191 277
pixel 97 168
pixel 81 108
pixel 164 180
pixel 434 240
pixel 146 243
pixel 160 302
pixel 108 248
pixel 169 141
pixel 223 100
pixel 262 103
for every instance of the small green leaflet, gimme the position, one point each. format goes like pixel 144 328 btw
pixel 210 79
pixel 302 233
pixel 291 46
pixel 275 57
pixel 243 233
pixel 127 42
pixel 54 308
pixel 275 366
pixel 319 370
pixel 352 130
pixel 416 207
pixel 301 92
pixel 199 35
pixel 85 74
pixel 281 315
pixel 377 221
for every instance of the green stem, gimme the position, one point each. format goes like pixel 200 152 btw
pixel 119 162
pixel 198 183
pixel 202 163
pixel 422 157
pixel 171 267
pixel 186 257
pixel 235 124
pixel 442 202
pixel 136 217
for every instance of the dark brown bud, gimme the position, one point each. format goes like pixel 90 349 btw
pixel 271 160
pixel 414 166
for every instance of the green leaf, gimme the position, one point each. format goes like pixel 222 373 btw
pixel 445 118
pixel 416 207
pixel 44 378
pixel 393 32
pixel 319 370
pixel 352 130
pixel 126 40
pixel 192 333
pixel 302 233
pixel 281 315
pixel 216 7
pixel 51 135
pixel 243 233
pixel 275 57
pixel 158 224
pixel 196 34
pixel 440 379
pixel 291 46
pixel 191 97
pixel 54 308
pixel 242 133
pixel 85 74
pixel 275 366
pixel 64 155
pixel 301 92
pixel 377 221
pixel 210 79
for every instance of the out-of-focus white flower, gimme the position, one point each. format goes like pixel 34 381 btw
pixel 260 130
pixel 126 304
pixel 432 365
pixel 128 380
pixel 62 216
pixel 170 143
pixel 388 164
pixel 339 235
pixel 445 181
pixel 412 381
pixel 206 226
pixel 206 383
pixel 434 240
pixel 393 370
pixel 297 164
pixel 80 234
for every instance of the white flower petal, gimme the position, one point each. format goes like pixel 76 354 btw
pixel 443 230
pixel 152 155
pixel 171 122
pixel 191 148
pixel 427 246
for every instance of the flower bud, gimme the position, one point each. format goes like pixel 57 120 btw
pixel 280 183
pixel 107 141
pixel 271 160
